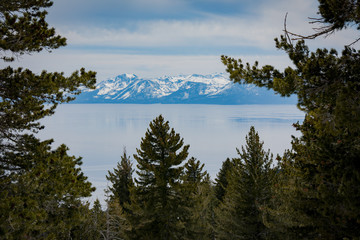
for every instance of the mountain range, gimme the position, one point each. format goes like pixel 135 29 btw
pixel 183 89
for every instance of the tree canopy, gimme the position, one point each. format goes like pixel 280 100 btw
pixel 121 180
pixel 323 170
pixel 41 188
pixel 157 207
pixel 24 29
pixel 239 215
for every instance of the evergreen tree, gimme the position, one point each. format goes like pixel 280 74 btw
pixel 222 179
pixel 98 221
pixel 41 188
pixel 157 210
pixel 121 180
pixel 119 199
pixel 239 216
pixel 199 200
pixel 27 97
pixel 24 28
pixel 44 201
pixel 115 223
pixel 335 15
pixel 194 173
pixel 94 222
pixel 321 200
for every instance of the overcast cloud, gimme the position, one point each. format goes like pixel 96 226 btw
pixel 166 37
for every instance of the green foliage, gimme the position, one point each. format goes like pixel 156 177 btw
pixel 26 98
pixel 121 180
pixel 327 87
pixel 115 222
pixel 41 188
pixel 222 179
pixel 157 210
pixel 283 220
pixel 239 216
pixel 94 225
pixel 24 29
pixel 340 13
pixel 194 172
pixel 43 201
pixel 320 198
pixel 199 199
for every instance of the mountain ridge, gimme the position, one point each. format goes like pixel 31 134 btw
pixel 182 89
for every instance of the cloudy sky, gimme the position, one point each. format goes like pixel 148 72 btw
pixel 152 38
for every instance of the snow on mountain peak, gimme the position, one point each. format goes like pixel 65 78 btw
pixel 119 86
pixel 213 88
pixel 130 75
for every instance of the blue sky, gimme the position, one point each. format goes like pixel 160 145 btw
pixel 152 38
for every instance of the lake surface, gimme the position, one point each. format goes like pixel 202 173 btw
pixel 99 132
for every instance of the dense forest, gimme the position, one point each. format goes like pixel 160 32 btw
pixel 312 191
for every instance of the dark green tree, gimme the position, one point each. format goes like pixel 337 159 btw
pixel 97 222
pixel 221 180
pixel 26 97
pixel 240 214
pixel 194 172
pixel 157 210
pixel 91 228
pixel 24 28
pixel 335 15
pixel 121 180
pixel 321 199
pixel 199 199
pixel 41 188
pixel 43 201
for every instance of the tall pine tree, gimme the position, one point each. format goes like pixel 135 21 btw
pixel 239 216
pixel 157 210
pixel 121 180
pixel 199 201
pixel 43 201
pixel 321 199
pixel 222 179
pixel 41 187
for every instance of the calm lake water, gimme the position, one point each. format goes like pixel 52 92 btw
pixel 99 132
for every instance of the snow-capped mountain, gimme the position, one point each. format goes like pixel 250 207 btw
pixel 199 89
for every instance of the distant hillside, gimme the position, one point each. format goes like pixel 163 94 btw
pixel 189 89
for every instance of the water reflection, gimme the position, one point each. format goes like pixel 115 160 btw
pixel 99 132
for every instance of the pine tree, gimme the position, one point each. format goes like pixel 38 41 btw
pixel 94 222
pixel 41 187
pixel 44 201
pixel 199 200
pixel 115 222
pixel 98 221
pixel 119 199
pixel 121 180
pixel 321 200
pixel 156 206
pixel 335 15
pixel 24 28
pixel 194 173
pixel 222 179
pixel 239 216
pixel 27 97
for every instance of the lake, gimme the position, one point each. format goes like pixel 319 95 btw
pixel 99 132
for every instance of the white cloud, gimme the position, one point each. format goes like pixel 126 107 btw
pixel 213 31
pixel 109 65
pixel 234 31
